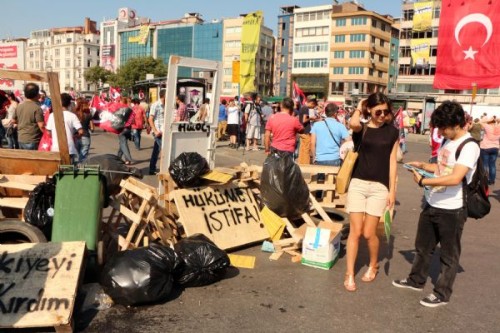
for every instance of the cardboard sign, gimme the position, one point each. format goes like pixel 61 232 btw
pixel 38 283
pixel 228 215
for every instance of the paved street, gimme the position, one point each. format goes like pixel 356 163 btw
pixel 282 296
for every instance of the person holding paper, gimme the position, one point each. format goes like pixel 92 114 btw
pixel 443 217
pixel 373 186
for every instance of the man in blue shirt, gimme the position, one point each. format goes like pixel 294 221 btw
pixel 222 125
pixel 326 138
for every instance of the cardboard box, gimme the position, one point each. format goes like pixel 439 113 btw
pixel 321 245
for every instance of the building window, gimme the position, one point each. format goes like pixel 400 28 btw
pixel 339 38
pixel 228 71
pixel 340 22
pixel 370 71
pixel 357 38
pixel 408 14
pixel 228 85
pixel 382 42
pixel 358 21
pixel 68 51
pixel 283 26
pixel 338 54
pixel 311 47
pixel 67 75
pixel 434 51
pixel 436 12
pixel 310 63
pixel 405 51
pixel 435 32
pixel 88 63
pixel 338 70
pixel 57 63
pixel 31 54
pixel 380 74
pixel 374 23
pixel 356 54
pixel 67 62
pixel 381 58
pixel 313 31
pixel 356 70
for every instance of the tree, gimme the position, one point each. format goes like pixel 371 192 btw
pixel 95 75
pixel 135 69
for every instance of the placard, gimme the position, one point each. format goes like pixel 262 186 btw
pixel 38 283
pixel 228 215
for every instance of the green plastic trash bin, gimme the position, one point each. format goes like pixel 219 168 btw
pixel 78 205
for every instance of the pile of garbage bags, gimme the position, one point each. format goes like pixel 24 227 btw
pixel 148 275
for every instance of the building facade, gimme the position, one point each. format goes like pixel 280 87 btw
pixel 231 56
pixel 68 51
pixel 360 51
pixel 284 52
pixel 311 49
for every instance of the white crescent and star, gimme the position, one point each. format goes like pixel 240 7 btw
pixel 473 18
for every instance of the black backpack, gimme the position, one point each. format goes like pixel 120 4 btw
pixel 475 193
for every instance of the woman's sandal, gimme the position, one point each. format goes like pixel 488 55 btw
pixel 370 274
pixel 349 283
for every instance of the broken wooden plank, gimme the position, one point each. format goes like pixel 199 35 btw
pixel 19 203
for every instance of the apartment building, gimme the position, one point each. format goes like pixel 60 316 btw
pixel 264 63
pixel 68 51
pixel 284 52
pixel 361 43
pixel 311 49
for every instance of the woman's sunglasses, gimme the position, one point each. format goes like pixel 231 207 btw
pixel 379 112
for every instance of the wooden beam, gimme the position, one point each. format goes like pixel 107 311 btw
pixel 55 95
pixel 23 75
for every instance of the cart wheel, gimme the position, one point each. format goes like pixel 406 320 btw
pixel 18 232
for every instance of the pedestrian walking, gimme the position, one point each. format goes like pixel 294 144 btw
pixel 156 119
pixel 372 189
pixel 233 124
pixel 443 216
pixel 222 124
pixel 82 111
pixel 29 118
pixel 489 147
pixel 138 124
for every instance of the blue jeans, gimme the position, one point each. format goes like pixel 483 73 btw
pixel 443 226
pixel 12 140
pixel 123 149
pixel 336 162
pixel 29 146
pixel 83 147
pixel 489 159
pixel 136 135
pixel 154 154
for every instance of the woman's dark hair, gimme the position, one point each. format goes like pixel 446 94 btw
pixel 372 101
pixel 448 114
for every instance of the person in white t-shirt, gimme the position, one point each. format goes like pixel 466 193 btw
pixel 443 217
pixel 72 125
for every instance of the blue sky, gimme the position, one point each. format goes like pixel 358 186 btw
pixel 22 16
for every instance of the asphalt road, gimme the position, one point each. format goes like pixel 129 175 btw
pixel 281 296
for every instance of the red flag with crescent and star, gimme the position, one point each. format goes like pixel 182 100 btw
pixel 468 45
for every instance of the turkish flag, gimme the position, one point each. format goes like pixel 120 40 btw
pixel 468 45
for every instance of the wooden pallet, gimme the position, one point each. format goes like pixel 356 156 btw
pixel 137 206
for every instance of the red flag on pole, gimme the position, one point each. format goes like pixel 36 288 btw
pixel 468 44
pixel 298 95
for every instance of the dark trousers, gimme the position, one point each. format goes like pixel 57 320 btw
pixel 154 155
pixel 435 226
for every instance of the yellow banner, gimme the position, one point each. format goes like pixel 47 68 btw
pixel 420 51
pixel 142 37
pixel 422 16
pixel 250 36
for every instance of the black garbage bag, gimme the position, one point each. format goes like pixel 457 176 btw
pixel 202 262
pixel 120 118
pixel 282 186
pixel 39 210
pixel 140 276
pixel 187 168
pixel 110 163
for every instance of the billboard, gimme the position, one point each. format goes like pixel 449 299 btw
pixel 11 57
pixel 108 57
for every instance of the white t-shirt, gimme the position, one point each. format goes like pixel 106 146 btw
pixel 450 197
pixel 233 116
pixel 72 124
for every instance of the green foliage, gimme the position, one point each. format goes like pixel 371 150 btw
pixel 95 74
pixel 135 70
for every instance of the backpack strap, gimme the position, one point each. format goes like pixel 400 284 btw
pixel 464 180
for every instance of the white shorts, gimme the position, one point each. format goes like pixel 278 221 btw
pixel 366 197
pixel 253 132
